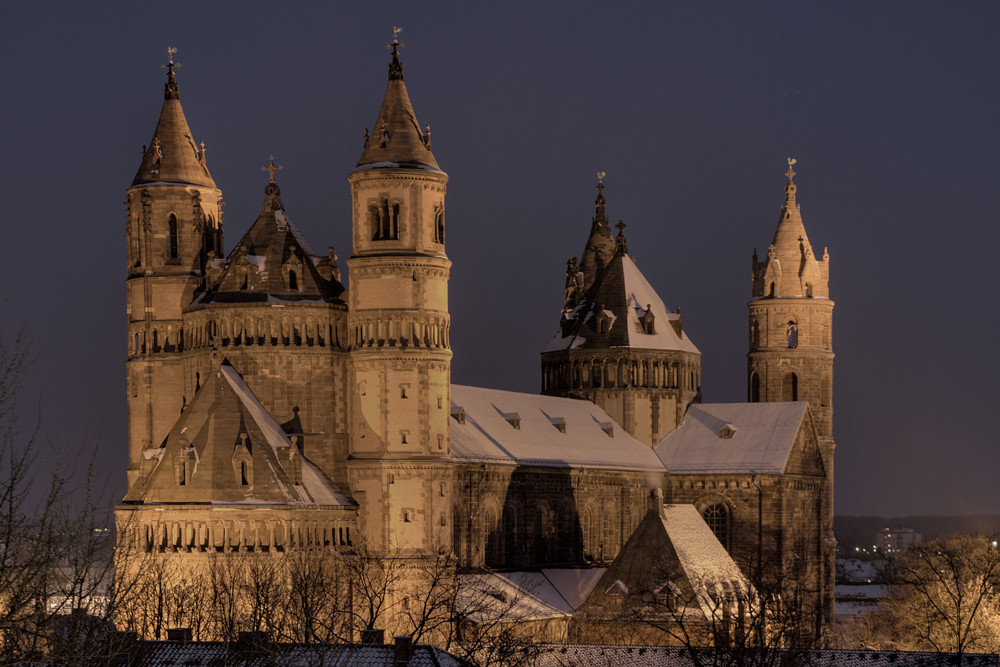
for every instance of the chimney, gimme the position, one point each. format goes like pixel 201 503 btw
pixel 655 501
pixel 370 636
pixel 179 634
pixel 404 649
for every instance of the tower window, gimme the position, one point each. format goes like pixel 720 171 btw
pixel 293 280
pixel 755 334
pixel 439 224
pixel 717 518
pixel 790 387
pixel 754 388
pixel 793 334
pixel 172 237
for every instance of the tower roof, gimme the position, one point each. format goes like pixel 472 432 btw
pixel 258 267
pixel 172 155
pixel 396 140
pixel 791 269
pixel 600 245
pixel 617 307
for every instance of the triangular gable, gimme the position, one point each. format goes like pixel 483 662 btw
pixel 226 449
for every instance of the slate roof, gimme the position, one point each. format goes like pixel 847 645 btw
pixel 224 416
pixel 763 435
pixel 597 655
pixel 396 139
pixel 172 156
pixel 213 654
pixel 512 428
pixel 256 268
pixel 624 295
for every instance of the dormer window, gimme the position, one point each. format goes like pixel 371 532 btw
pixel 293 280
pixel 513 418
pixel 458 413
pixel 727 431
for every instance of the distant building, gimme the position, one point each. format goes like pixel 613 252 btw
pixel 895 540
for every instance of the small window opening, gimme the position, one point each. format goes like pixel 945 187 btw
pixel 790 387
pixel 754 388
pixel 402 391
pixel 172 233
pixel 771 290
pixel 439 225
pixel 793 335
pixel 293 280
pixel 243 474
pixel 407 517
pixel 402 437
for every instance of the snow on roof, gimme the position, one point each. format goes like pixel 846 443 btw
pixel 761 440
pixel 489 596
pixel 707 564
pixel 314 488
pixel 283 220
pixel 539 439
pixel 638 294
pixel 394 165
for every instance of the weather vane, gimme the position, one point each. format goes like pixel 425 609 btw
pixel 171 50
pixel 791 172
pixel 271 168
pixel 600 181
pixel 395 38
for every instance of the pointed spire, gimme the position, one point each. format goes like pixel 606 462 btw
pixel 397 140
pixel 272 193
pixel 172 155
pixel 601 245
pixel 790 268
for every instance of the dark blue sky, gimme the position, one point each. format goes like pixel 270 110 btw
pixel 691 109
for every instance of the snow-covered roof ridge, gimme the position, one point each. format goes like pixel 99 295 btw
pixel 551 431
pixel 622 296
pixel 760 440
pixel 315 488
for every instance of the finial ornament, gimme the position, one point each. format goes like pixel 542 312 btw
pixel 271 168
pixel 791 172
pixel 600 182
pixel 170 92
pixel 395 68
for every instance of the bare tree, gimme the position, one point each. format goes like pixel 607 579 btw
pixel 943 596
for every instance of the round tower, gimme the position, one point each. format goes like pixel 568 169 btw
pixel 173 230
pixel 398 330
pixel 791 320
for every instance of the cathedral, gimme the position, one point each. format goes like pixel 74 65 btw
pixel 274 410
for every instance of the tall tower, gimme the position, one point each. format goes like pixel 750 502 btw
pixel 173 228
pixel 791 320
pixel 398 310
pixel 617 343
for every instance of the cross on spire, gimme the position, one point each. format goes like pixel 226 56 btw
pixel 791 172
pixel 271 168
pixel 395 45
pixel 171 50
pixel 395 68
pixel 621 227
pixel 600 182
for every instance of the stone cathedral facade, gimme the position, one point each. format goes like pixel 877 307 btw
pixel 272 409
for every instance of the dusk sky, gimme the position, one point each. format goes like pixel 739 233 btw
pixel 892 110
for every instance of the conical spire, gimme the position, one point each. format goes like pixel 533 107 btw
pixel 396 139
pixel 790 269
pixel 600 246
pixel 172 155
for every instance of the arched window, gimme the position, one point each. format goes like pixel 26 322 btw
pixel 589 541
pixel 293 280
pixel 755 334
pixel 771 290
pixel 172 237
pixel 790 387
pixel 439 225
pixel 754 387
pixel 510 536
pixel 717 518
pixel 793 334
pixel 243 474
pixel 375 218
